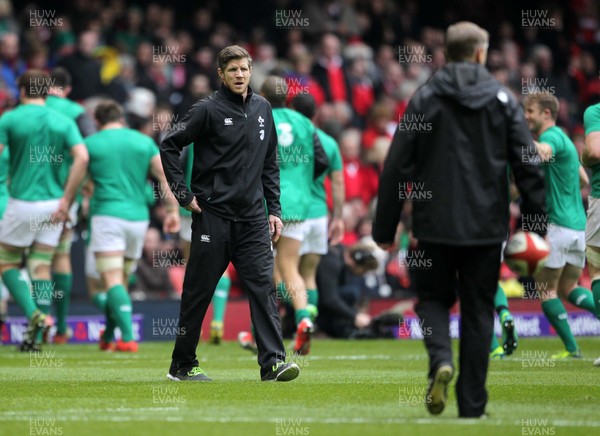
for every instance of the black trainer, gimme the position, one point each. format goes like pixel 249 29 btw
pixel 188 374
pixel 282 372
pixel 437 391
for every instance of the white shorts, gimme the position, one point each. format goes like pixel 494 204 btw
pixel 116 234
pixel 566 246
pixel 316 238
pixel 185 230
pixel 90 264
pixel 592 225
pixel 26 222
pixel 293 230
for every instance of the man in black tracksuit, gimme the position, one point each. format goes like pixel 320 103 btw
pixel 235 175
pixel 460 132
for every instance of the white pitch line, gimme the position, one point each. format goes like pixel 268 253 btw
pixel 75 416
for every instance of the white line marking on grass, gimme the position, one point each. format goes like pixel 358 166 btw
pixel 108 414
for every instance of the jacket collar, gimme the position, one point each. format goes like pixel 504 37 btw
pixel 236 98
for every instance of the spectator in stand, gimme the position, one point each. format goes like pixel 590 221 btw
pixel 11 65
pixel 363 88
pixel 263 63
pixel 378 125
pixel 299 80
pixel 198 88
pixel 129 37
pixel 36 57
pixel 360 180
pixel 84 69
pixel 329 71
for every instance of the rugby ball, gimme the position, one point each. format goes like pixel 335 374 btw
pixel 526 253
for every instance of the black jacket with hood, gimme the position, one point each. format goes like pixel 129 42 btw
pixel 450 157
pixel 235 170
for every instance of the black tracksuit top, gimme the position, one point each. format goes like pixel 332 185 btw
pixel 235 170
pixel 450 156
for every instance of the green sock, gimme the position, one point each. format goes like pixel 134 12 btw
pixel 301 314
pixel 495 343
pixel 583 298
pixel 283 293
pixel 119 308
pixel 219 299
pixel 500 302
pixel 99 301
pixel 20 291
pixel 43 291
pixel 557 315
pixel 62 298
pixel 313 297
pixel 596 292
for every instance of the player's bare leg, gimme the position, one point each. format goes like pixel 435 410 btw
pixel 287 261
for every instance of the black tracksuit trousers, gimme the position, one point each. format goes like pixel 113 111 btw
pixel 216 242
pixel 473 270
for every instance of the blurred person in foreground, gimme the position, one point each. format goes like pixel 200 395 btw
pixel 460 164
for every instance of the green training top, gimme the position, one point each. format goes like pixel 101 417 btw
pixel 69 109
pixel 591 123
pixel 563 195
pixel 318 205
pixel 295 154
pixel 39 139
pixel 119 165
pixel 4 158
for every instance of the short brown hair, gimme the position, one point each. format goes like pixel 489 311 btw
pixel 34 83
pixel 545 101
pixel 462 39
pixel 108 111
pixel 275 90
pixel 230 53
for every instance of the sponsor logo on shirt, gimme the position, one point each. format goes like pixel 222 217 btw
pixel 205 238
pixel 261 122
pixel 228 121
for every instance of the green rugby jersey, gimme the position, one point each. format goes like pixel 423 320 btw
pixel 119 166
pixel 4 159
pixel 295 154
pixel 71 110
pixel 318 205
pixel 563 195
pixel 39 140
pixel 591 123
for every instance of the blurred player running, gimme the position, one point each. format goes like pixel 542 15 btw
pixel 301 159
pixel 566 218
pixel 120 161
pixel 591 157
pixel 318 232
pixel 62 275
pixel 37 138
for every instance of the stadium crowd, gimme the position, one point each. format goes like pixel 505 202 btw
pixel 360 60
